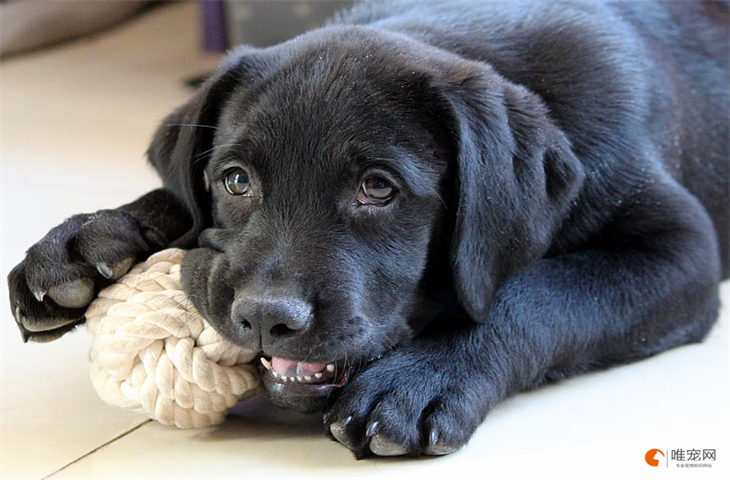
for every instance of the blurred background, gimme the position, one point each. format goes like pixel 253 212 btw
pixel 29 25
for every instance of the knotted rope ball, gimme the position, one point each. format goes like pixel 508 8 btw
pixel 152 352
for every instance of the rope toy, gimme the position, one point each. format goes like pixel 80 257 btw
pixel 153 353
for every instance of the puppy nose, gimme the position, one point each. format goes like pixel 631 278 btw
pixel 272 317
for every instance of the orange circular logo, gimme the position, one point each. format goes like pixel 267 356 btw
pixel 650 457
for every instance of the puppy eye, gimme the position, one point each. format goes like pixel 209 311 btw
pixel 375 190
pixel 236 182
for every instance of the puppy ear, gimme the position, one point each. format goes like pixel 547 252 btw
pixel 517 177
pixel 180 144
pixel 184 139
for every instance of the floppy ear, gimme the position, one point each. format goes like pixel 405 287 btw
pixel 180 143
pixel 517 176
pixel 183 141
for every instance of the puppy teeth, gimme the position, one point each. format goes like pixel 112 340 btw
pixel 39 295
pixel 330 368
pixel 318 375
pixel 265 363
pixel 291 379
pixel 307 378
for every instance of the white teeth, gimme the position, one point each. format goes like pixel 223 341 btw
pixel 330 368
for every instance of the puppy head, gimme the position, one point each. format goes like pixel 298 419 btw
pixel 350 186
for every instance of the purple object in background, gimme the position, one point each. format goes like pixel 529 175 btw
pixel 215 38
pixel 261 23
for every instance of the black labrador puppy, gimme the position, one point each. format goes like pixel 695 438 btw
pixel 427 206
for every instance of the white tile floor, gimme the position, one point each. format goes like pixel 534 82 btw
pixel 75 123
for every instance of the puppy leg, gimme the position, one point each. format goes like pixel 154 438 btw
pixel 648 283
pixel 61 273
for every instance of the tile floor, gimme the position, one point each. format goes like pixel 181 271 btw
pixel 75 123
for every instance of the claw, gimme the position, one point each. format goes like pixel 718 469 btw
pixel 104 270
pixel 39 294
pixel 372 428
pixel 433 437
pixel 116 270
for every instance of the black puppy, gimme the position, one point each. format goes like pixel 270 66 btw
pixel 426 207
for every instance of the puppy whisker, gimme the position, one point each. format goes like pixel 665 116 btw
pixel 203 155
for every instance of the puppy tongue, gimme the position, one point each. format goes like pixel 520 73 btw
pixel 292 368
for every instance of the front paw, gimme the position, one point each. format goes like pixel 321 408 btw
pixel 60 275
pixel 413 402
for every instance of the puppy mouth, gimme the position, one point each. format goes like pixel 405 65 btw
pixel 292 378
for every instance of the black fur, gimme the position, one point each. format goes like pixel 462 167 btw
pixel 562 174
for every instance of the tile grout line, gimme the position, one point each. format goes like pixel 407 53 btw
pixel 94 450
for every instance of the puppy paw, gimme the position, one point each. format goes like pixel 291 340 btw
pixel 410 402
pixel 60 275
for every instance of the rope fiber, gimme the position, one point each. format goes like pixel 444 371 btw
pixel 153 353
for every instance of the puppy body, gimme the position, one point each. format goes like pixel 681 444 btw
pixel 556 176
pixel 620 79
